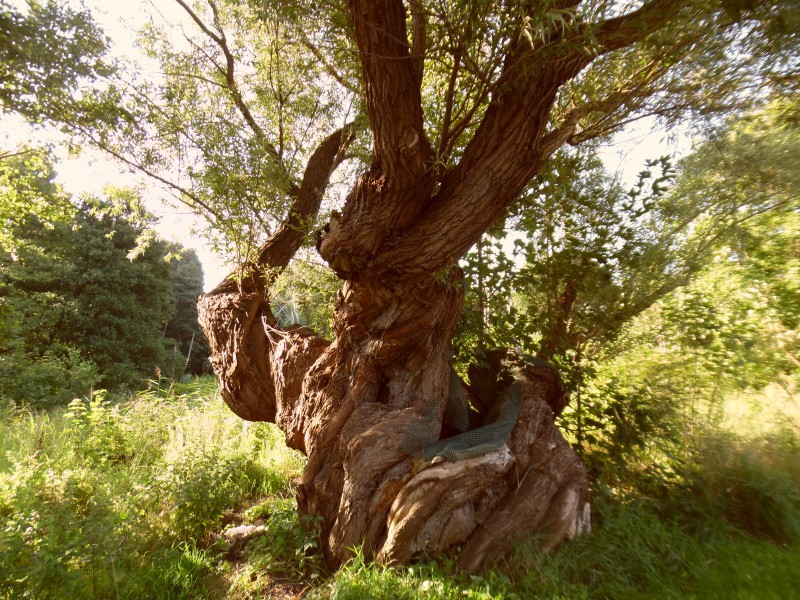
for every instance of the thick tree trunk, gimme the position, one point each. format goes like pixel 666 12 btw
pixel 363 408
pixel 368 409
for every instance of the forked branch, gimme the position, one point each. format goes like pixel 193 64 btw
pixel 276 253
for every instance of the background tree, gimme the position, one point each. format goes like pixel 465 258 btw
pixel 594 255
pixel 77 311
pixel 187 282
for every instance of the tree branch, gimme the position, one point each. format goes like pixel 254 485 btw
pixel 260 365
pixel 329 69
pixel 153 175
pixel 566 132
pixel 634 26
pixel 418 37
pixel 508 146
pixel 276 253
pixel 392 87
pixel 230 78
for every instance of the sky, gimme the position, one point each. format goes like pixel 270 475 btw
pixel 91 171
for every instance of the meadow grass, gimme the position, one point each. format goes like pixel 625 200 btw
pixel 128 498
pixel 111 498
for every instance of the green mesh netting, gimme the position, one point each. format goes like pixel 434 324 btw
pixel 422 436
pixel 456 411
pixel 422 432
pixel 482 439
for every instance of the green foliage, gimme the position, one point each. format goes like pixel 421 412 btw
pixel 126 499
pixel 240 133
pixel 87 296
pixel 92 428
pixel 70 285
pixel 201 484
pixel 291 543
pixel 238 108
pixel 47 380
pixel 187 281
pixel 586 257
pixel 55 537
pixel 112 499
pixel 27 186
pixel 51 54
pixel 752 484
pixel 632 552
pixel 304 293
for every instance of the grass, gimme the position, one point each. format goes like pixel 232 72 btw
pixel 129 498
pixel 122 499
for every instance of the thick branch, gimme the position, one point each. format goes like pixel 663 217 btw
pixel 419 40
pixel 242 332
pixel 392 82
pixel 276 253
pixel 634 26
pixel 508 146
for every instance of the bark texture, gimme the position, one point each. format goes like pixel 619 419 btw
pixel 350 405
pixel 362 406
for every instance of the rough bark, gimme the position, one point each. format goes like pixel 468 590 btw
pixel 349 406
pixel 352 404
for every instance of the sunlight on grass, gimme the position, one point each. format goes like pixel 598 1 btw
pixel 129 498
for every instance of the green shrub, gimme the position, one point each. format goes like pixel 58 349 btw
pixel 93 428
pixel 106 500
pixel 753 484
pixel 112 498
pixel 291 542
pixel 202 485
pixel 58 534
pixel 50 380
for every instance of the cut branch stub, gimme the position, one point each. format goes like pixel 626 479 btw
pixel 234 326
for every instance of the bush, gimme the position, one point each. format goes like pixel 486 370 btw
pixel 200 488
pixel 110 499
pixel 57 538
pixel 51 380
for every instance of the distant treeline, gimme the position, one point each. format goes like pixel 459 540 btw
pixel 89 296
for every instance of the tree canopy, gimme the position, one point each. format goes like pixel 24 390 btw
pixel 50 56
pixel 246 93
pixel 88 296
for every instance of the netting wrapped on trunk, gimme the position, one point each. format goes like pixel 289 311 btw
pixel 485 438
pixel 422 437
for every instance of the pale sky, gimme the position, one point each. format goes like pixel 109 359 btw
pixel 92 171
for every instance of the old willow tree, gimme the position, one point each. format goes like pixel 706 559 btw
pixel 443 111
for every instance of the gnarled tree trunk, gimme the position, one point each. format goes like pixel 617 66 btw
pixel 357 407
pixel 368 407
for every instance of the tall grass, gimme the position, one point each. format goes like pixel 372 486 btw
pixel 119 498
pixel 127 498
